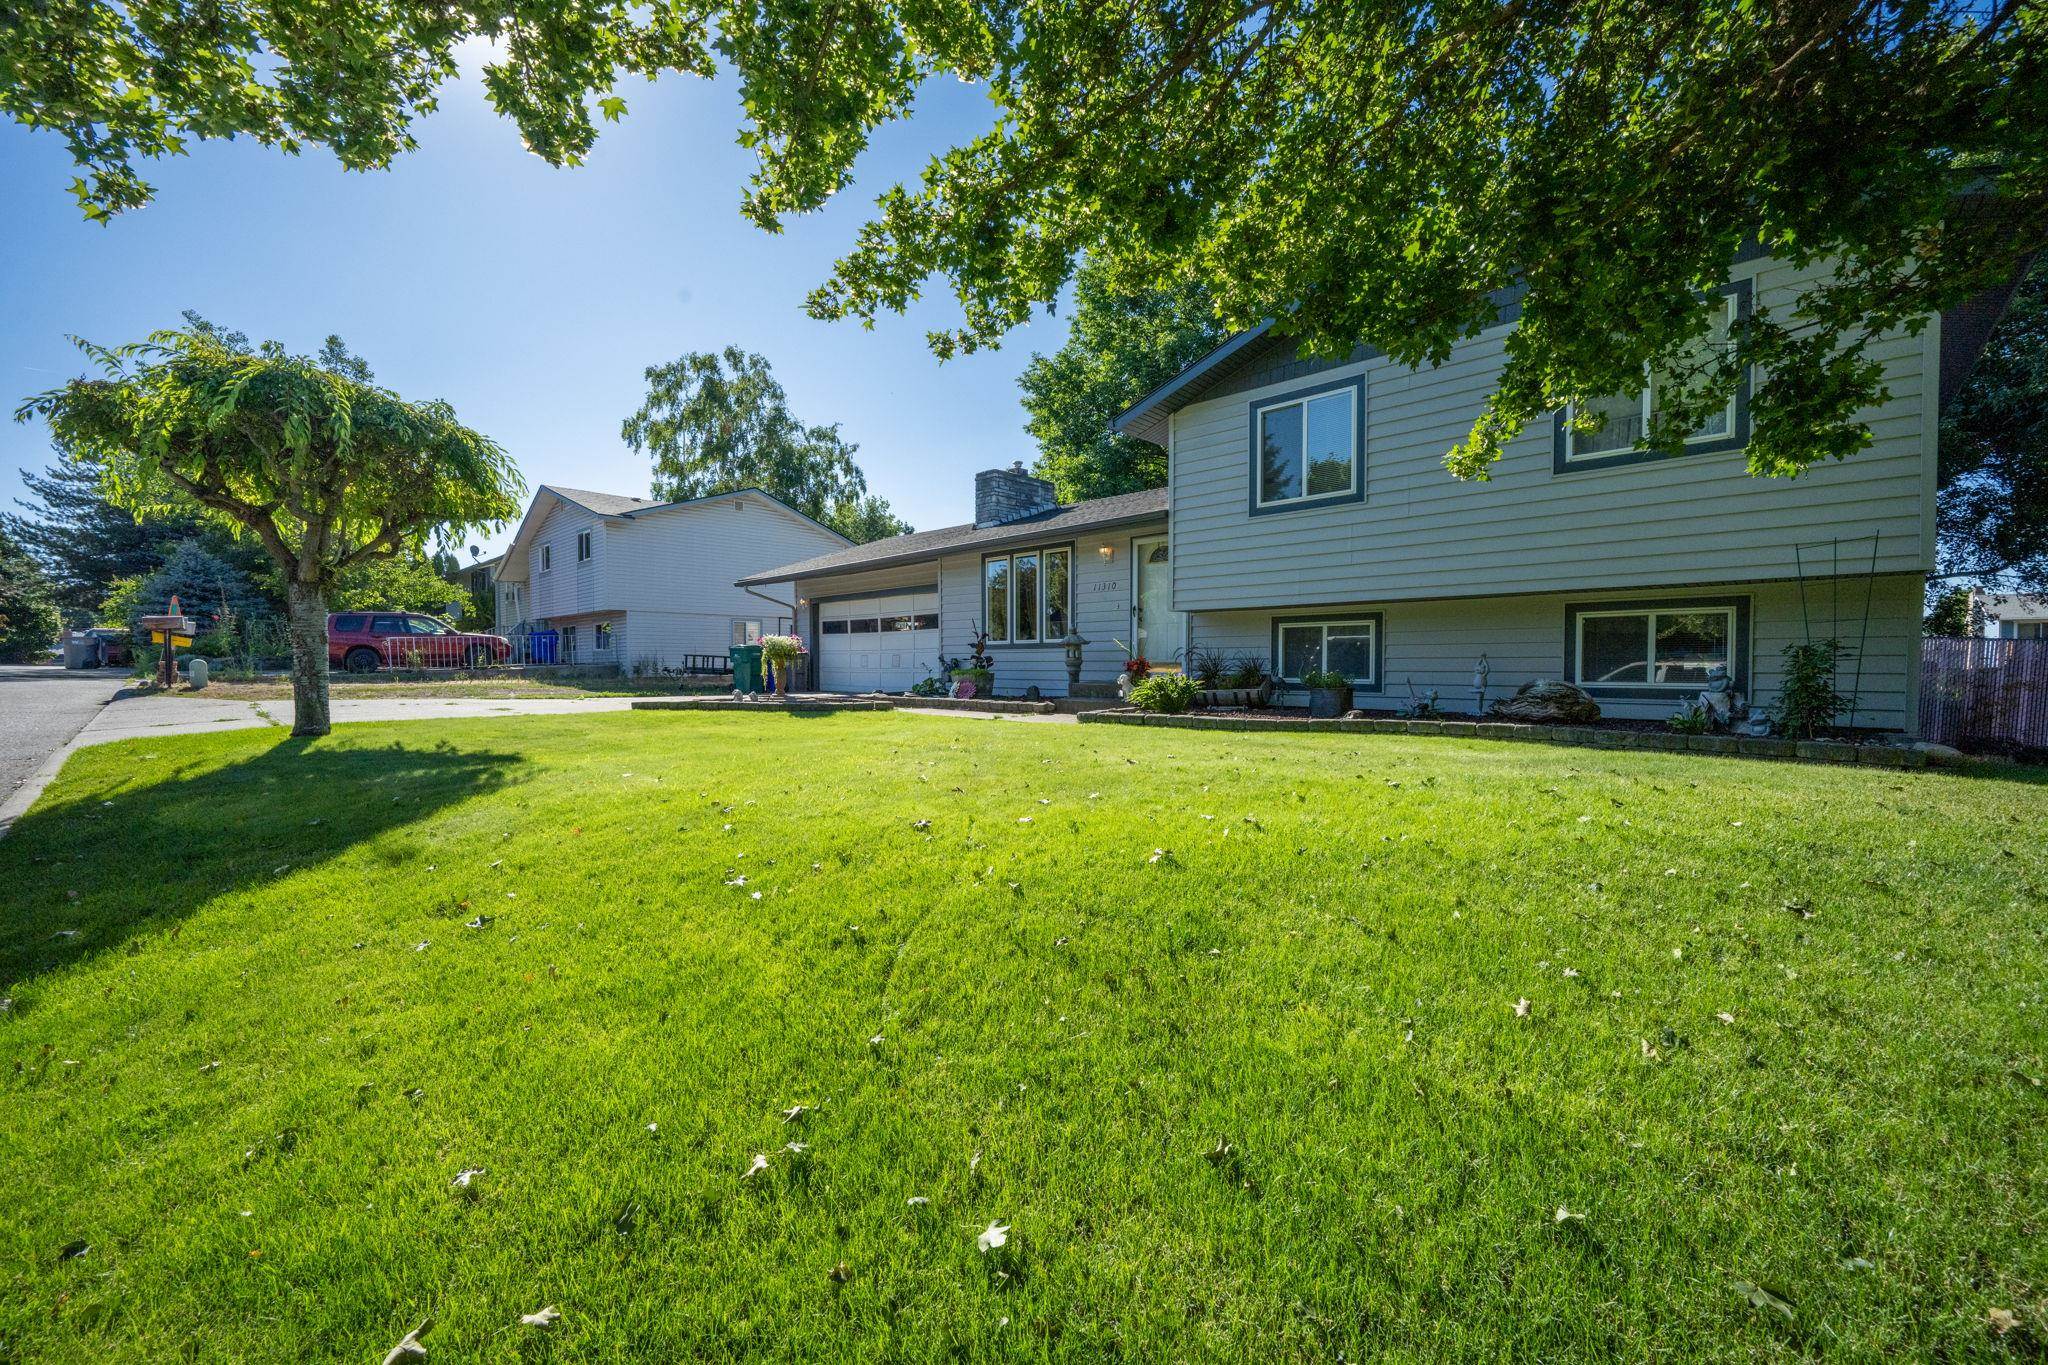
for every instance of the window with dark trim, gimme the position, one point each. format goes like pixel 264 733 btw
pixel 582 546
pixel 547 558
pixel 1027 595
pixel 833 627
pixel 1656 649
pixel 1341 642
pixel 1308 447
pixel 1622 438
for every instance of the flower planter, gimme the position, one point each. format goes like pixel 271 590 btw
pixel 983 680
pixel 1236 698
pixel 1328 703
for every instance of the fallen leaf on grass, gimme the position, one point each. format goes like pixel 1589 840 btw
pixel 760 1165
pixel 546 1317
pixel 795 1112
pixel 1725 1017
pixel 479 922
pixel 1522 1008
pixel 410 1348
pixel 71 1251
pixel 839 1274
pixel 917 1201
pixel 993 1236
pixel 1565 1215
pixel 466 1176
pixel 2001 1321
pixel 1760 1298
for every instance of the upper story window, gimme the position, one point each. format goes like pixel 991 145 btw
pixel 1623 436
pixel 1028 595
pixel 582 546
pixel 547 558
pixel 1308 447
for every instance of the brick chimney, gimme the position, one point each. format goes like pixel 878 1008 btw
pixel 1006 495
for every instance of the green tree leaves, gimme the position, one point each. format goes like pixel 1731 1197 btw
pixel 1361 171
pixel 305 456
pixel 716 422
pixel 1122 343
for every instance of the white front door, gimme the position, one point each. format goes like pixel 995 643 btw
pixel 877 644
pixel 1156 628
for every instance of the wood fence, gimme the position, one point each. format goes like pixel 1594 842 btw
pixel 1984 694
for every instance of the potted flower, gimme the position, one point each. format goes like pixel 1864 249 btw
pixel 1329 694
pixel 780 653
pixel 978 679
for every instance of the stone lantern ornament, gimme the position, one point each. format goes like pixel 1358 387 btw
pixel 1074 642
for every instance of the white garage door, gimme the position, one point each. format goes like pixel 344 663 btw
pixel 878 644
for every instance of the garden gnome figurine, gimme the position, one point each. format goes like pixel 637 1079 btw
pixel 1479 677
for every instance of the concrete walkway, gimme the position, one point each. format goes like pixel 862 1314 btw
pixel 139 717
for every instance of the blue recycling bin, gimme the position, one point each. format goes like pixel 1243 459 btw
pixel 544 645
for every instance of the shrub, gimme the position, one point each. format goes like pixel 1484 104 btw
pixel 1166 693
pixel 1323 677
pixel 1807 699
pixel 1246 670
pixel 1207 667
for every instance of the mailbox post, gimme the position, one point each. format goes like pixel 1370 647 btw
pixel 170 630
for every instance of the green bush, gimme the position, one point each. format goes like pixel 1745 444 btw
pixel 1322 678
pixel 1691 720
pixel 1167 693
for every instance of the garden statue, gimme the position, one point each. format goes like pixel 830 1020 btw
pixel 1757 725
pixel 1422 707
pixel 1479 677
pixel 1073 645
pixel 1720 700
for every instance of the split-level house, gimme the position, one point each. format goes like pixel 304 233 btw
pixel 644 584
pixel 1309 521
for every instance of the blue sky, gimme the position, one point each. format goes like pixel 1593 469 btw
pixel 530 298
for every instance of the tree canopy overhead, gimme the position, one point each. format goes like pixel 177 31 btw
pixel 304 455
pixel 1361 170
pixel 714 422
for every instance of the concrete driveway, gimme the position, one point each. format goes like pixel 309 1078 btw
pixel 41 710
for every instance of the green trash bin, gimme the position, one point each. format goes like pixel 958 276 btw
pixel 746 668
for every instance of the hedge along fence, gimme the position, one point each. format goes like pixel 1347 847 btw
pixel 1981 693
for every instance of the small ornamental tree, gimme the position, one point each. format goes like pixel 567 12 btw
pixel 304 455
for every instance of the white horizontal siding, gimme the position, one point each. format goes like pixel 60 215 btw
pixel 1422 534
pixel 684 560
pixel 1436 644
pixel 567 588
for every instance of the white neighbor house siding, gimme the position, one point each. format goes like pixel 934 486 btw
pixel 567 588
pixel 1435 645
pixel 673 571
pixel 1102 608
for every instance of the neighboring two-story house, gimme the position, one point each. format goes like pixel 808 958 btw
pixel 645 584
pixel 2011 615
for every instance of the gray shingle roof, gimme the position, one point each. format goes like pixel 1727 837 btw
pixel 1068 520
pixel 604 504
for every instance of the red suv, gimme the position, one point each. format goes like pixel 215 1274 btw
pixel 365 641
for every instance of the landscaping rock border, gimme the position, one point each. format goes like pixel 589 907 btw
pixel 1741 746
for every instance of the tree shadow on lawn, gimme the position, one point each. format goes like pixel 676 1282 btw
pixel 85 875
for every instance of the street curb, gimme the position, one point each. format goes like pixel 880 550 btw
pixel 25 795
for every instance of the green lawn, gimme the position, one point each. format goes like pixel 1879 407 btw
pixel 1785 1028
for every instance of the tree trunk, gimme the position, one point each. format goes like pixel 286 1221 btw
pixel 308 609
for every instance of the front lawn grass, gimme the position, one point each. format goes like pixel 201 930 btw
pixel 1226 1030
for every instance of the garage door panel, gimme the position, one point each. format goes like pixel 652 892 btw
pixel 881 643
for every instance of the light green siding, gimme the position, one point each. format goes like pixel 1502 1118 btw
pixel 1421 534
pixel 1436 644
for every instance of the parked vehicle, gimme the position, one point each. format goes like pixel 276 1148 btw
pixel 365 641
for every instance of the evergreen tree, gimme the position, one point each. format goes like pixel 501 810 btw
pixel 28 613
